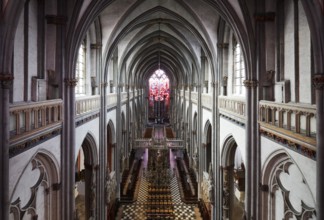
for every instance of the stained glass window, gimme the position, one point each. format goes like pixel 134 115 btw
pixel 159 87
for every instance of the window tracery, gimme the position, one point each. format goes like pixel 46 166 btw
pixel 81 70
pixel 239 69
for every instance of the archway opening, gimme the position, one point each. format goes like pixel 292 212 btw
pixel 110 150
pixel 233 182
pixel 208 148
pixel 85 181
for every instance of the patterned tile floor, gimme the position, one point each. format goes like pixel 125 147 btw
pixel 136 211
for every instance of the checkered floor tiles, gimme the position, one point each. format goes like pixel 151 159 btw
pixel 136 211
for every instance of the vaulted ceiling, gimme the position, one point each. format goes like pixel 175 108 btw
pixel 174 35
pixel 146 35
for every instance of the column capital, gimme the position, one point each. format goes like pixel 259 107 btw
pixel 251 83
pixel 6 80
pixel 222 45
pixel 96 46
pixel 71 82
pixel 318 81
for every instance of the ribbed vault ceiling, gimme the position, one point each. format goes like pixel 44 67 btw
pixel 146 35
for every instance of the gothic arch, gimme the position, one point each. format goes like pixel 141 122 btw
pixel 90 175
pixel 111 140
pixel 280 200
pixel 194 133
pixel 232 206
pixel 207 140
pixel 43 198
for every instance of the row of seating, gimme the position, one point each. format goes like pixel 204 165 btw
pixel 185 179
pixel 169 133
pixel 159 196
pixel 148 133
pixel 158 203
pixel 129 182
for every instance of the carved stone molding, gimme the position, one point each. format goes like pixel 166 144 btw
pixel 6 80
pixel 30 143
pixel 303 150
pixel 71 82
pixel 56 19
pixel 251 83
pixel 222 45
pixel 318 81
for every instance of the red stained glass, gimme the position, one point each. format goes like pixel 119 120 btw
pixel 159 87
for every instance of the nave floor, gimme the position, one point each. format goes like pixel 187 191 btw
pixel 136 211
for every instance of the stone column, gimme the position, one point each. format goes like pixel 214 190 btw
pixel 119 136
pixel 190 127
pixel 319 86
pixel 216 157
pixel 5 85
pixel 199 139
pixel 251 148
pixel 68 151
pixel 101 207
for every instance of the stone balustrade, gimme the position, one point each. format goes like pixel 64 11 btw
pixel 294 122
pixel 123 96
pixel 111 99
pixel 194 97
pixel 27 119
pixel 87 104
pixel 207 100
pixel 233 106
pixel 187 95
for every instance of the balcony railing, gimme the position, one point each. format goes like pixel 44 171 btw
pixel 87 104
pixel 111 99
pixel 27 119
pixel 207 100
pixel 233 106
pixel 187 95
pixel 296 121
pixel 194 96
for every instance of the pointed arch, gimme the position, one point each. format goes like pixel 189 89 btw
pixel 112 129
pixel 281 200
pixel 42 197
pixel 233 180
pixel 207 143
pixel 111 143
pixel 88 175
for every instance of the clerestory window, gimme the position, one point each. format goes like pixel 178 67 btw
pixel 81 70
pixel 239 70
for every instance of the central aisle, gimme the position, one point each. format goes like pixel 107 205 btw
pixel 139 209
